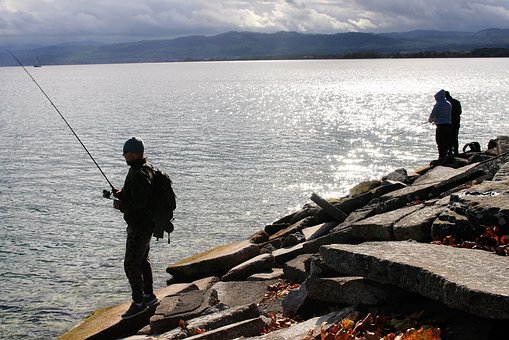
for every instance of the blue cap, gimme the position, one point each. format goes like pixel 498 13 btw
pixel 135 145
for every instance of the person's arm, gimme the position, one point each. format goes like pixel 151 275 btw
pixel 433 115
pixel 117 203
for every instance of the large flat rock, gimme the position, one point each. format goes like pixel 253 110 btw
pixel 352 291
pixel 214 262
pixel 241 329
pixel 259 264
pixel 295 269
pixel 457 226
pixel 430 185
pixel 417 225
pixel 107 323
pixel 486 204
pixel 473 281
pixel 379 227
pixel 213 321
pixel 223 318
pixel 340 290
pixel 284 255
pixel 182 306
pixel 237 293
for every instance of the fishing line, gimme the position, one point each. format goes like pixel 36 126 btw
pixel 400 133
pixel 65 120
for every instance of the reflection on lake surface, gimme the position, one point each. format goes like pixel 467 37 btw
pixel 245 142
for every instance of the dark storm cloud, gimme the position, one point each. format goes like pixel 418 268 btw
pixel 152 19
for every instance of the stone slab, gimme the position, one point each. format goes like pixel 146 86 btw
pixel 387 187
pixel 486 203
pixel 316 267
pixel 223 318
pixel 284 255
pixel 348 290
pixel 340 234
pixel 309 329
pixel 206 283
pixel 258 264
pixel 295 270
pixel 503 173
pixel 214 262
pixel 183 306
pixel 417 225
pixel 353 290
pixel 275 273
pixel 238 293
pixel 492 165
pixel 379 227
pixel 329 209
pixel 450 223
pixel 319 230
pixel 310 231
pixel 246 328
pixel 502 144
pixel 107 323
pixel 295 227
pixel 430 185
pixel 473 281
pixel 340 290
pixel 213 321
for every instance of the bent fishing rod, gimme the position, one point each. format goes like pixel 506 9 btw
pixel 65 120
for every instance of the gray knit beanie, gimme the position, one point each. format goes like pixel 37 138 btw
pixel 135 145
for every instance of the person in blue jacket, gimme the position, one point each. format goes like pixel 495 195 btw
pixel 441 117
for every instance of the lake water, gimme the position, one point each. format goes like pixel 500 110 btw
pixel 245 142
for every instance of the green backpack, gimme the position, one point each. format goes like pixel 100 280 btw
pixel 163 203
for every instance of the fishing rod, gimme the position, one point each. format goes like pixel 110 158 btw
pixel 400 133
pixel 65 120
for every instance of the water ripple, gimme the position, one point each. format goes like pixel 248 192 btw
pixel 245 143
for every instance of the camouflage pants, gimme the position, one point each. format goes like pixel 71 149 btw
pixel 136 262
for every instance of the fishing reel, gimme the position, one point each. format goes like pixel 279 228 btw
pixel 107 194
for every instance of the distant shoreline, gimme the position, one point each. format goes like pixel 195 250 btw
pixel 477 53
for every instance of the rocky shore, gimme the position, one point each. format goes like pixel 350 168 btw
pixel 413 255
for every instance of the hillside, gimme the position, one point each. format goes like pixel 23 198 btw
pixel 249 45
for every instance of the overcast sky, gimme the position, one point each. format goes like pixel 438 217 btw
pixel 53 21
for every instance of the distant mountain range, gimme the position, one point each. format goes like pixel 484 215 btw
pixel 281 45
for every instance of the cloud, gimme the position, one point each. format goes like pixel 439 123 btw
pixel 459 15
pixel 153 19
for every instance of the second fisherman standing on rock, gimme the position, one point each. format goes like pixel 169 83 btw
pixel 134 201
pixel 455 122
pixel 441 117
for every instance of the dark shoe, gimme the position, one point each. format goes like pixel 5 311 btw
pixel 135 309
pixel 150 299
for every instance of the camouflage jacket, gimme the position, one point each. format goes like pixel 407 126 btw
pixel 137 193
